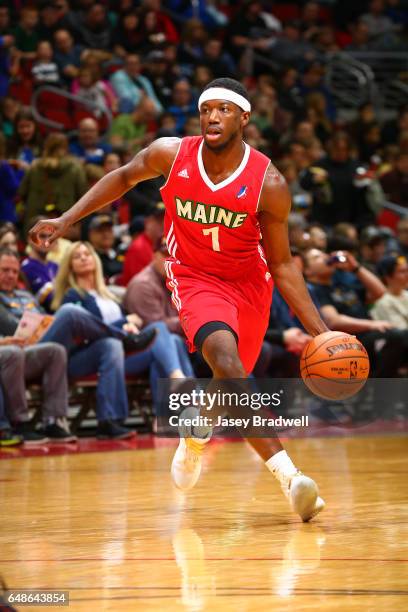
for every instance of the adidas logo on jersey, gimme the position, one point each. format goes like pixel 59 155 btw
pixel 183 173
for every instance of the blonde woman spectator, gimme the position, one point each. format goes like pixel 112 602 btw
pixel 80 281
pixel 393 306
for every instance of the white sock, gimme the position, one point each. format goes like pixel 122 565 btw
pixel 281 464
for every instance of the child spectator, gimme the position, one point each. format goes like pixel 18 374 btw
pixel 92 88
pixel 45 70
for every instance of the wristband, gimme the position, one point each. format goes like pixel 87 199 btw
pixel 356 269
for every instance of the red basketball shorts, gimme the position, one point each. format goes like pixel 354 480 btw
pixel 242 304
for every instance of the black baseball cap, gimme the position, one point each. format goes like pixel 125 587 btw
pixel 100 221
pixel 156 210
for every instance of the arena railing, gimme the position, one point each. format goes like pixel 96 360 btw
pixel 56 125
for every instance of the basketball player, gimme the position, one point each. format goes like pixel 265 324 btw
pixel 220 196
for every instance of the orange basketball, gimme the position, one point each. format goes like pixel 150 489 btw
pixel 334 365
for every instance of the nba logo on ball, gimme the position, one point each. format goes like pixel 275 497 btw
pixel 334 365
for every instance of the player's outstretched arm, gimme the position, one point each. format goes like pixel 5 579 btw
pixel 274 208
pixel 153 161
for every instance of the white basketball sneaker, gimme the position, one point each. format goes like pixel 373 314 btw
pixel 186 464
pixel 303 496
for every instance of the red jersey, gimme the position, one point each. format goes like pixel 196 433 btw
pixel 214 227
pixel 138 256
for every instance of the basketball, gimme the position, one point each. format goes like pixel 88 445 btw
pixel 334 365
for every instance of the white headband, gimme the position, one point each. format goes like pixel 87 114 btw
pixel 219 93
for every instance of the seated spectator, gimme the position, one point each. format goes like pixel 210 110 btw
pixel 21 364
pixel 337 196
pixel 161 72
pixel 132 128
pixel 346 230
pixel 318 236
pixel 372 247
pixel 395 182
pixel 147 295
pixel 310 19
pixel 183 103
pixel 40 273
pixel 402 235
pixel 67 55
pixel 95 90
pixel 154 34
pixel 217 59
pixel 5 21
pixel 9 63
pixel 290 49
pixel 377 22
pixel 9 185
pixel 289 97
pixel 190 49
pixel 56 179
pixel 360 38
pixel 312 81
pixel 393 305
pixel 93 28
pixel 102 238
pixel 283 343
pixel 342 306
pixel 45 70
pixel 93 346
pixel 26 143
pixel 80 281
pixel 25 34
pixel 8 237
pixel 88 146
pixel 128 33
pixel 140 251
pixel 164 24
pixel 300 197
pixel 50 20
pixel 250 29
pixel 10 107
pixel 130 85
pixel 317 116
pixel 396 127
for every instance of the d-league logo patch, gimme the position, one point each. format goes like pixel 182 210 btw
pixel 242 192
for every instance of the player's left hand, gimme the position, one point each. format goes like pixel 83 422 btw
pixel 46 232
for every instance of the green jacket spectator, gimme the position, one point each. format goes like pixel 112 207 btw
pixel 54 179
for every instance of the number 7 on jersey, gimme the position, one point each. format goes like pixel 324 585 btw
pixel 214 231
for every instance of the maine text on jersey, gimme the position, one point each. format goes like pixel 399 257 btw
pixel 208 213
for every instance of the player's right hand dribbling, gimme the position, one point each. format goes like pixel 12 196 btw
pixel 45 232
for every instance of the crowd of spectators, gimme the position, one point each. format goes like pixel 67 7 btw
pixel 143 64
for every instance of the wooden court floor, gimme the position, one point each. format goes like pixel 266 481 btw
pixel 111 529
